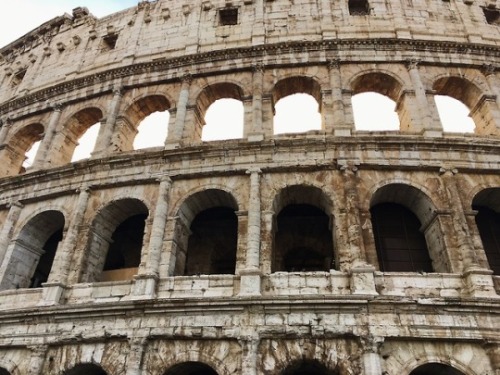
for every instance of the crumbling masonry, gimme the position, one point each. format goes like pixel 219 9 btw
pixel 330 252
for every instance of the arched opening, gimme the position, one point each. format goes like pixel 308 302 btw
pixel 308 367
pixel 144 125
pixel 190 368
pixel 435 369
pixel 226 100
pixel 470 97
pixel 401 246
pixel 487 205
pixel 303 240
pixel 407 236
pixel 86 143
pixel 34 251
pixel 4 371
pixel 223 120
pixel 374 112
pixel 115 241
pixel 207 234
pixel 296 105
pixel 22 147
pixel 152 131
pixel 454 115
pixel 86 369
pixel 80 130
pixel 375 101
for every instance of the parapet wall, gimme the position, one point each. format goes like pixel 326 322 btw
pixel 184 301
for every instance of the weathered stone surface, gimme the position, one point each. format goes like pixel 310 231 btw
pixel 283 297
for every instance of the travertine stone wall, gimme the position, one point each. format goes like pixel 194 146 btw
pixel 351 318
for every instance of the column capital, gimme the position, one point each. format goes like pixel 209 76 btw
pixel 448 171
pixel 253 170
pixel 84 189
pixel 56 107
pixel 118 90
pixel 6 121
pixel 166 179
pixel 15 204
pixel 258 68
pixel 333 64
pixel 186 78
pixel 488 69
pixel 412 64
pixel 371 344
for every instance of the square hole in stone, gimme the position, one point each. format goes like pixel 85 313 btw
pixel 228 16
pixel 359 8
pixel 492 16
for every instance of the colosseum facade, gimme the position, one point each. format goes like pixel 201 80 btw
pixel 330 252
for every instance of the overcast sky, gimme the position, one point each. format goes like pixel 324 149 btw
pixel 18 17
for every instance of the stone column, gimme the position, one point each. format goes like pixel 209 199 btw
pixel 339 126
pixel 493 351
pixel 478 281
pixel 362 274
pixel 489 72
pixel 37 359
pixel 176 132
pixel 145 281
pixel 258 28
pixel 58 278
pixel 134 358
pixel 425 118
pixel 42 159
pixel 249 360
pixel 8 227
pixel 103 144
pixel 254 131
pixel 4 130
pixel 370 359
pixel 250 276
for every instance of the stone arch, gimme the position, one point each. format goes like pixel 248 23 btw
pixel 115 241
pixel 208 95
pixel 19 144
pixel 85 369
pixel 487 205
pixel 482 106
pixel 33 250
pixel 200 355
pixel 308 366
pixel 302 231
pixel 190 368
pixel 203 219
pixel 297 84
pixel 405 200
pixel 4 371
pixel 74 127
pixel 126 127
pixel 436 368
pixel 384 83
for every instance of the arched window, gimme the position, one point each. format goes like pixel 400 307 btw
pixel 80 130
pixel 303 240
pixel 34 251
pixel 86 369
pixel 373 111
pixel 374 102
pixel 487 205
pixel 308 367
pixel 219 108
pixel 407 235
pixel 296 113
pixel 144 124
pixel 152 131
pixel 86 143
pixel 471 97
pixel 401 247
pixel 190 368
pixel 454 115
pixel 223 120
pixel 115 241
pixel 21 149
pixel 297 105
pixel 435 369
pixel 207 234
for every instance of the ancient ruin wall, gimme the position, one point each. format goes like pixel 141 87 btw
pixel 244 311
